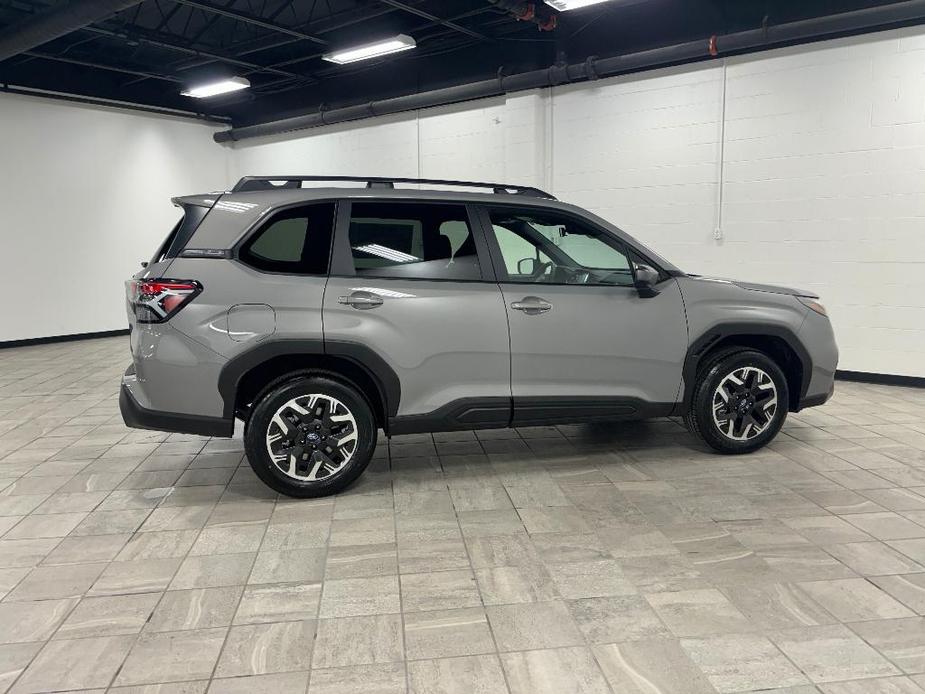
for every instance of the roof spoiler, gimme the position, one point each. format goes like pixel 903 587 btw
pixel 206 200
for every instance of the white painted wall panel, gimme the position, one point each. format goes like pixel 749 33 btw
pixel 84 197
pixel 383 147
pixel 643 152
pixel 825 186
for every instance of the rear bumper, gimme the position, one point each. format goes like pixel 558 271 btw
pixel 816 400
pixel 134 415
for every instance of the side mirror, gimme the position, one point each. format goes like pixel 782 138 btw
pixel 646 279
pixel 526 266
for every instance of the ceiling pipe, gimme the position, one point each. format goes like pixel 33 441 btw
pixel 58 21
pixel 593 68
pixel 113 103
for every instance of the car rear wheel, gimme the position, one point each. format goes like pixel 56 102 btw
pixel 310 437
pixel 740 401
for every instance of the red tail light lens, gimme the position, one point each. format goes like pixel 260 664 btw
pixel 157 300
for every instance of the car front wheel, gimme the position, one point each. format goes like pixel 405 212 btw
pixel 740 401
pixel 310 437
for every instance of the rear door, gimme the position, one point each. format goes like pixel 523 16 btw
pixel 411 280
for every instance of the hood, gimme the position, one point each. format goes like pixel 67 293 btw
pixel 754 286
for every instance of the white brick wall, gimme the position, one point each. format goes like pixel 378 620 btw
pixel 384 146
pixel 825 157
pixel 84 197
pixel 823 171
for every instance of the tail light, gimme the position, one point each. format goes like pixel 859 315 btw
pixel 157 300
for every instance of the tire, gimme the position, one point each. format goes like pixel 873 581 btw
pixel 748 414
pixel 308 425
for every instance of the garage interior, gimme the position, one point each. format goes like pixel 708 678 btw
pixel 774 141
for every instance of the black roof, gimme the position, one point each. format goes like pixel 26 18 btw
pixel 147 53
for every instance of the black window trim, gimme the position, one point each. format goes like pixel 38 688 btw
pixel 341 264
pixel 259 224
pixel 629 250
pixel 181 232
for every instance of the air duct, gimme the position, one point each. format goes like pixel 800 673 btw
pixel 56 22
pixel 767 36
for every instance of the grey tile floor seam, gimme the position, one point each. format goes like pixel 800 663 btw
pixel 621 557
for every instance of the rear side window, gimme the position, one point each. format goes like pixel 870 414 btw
pixel 413 241
pixel 294 241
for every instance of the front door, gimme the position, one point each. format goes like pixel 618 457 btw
pixel 584 343
pixel 411 281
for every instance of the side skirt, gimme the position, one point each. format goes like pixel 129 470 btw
pixel 499 413
pixel 466 413
pixel 575 410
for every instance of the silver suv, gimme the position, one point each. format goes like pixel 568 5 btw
pixel 319 315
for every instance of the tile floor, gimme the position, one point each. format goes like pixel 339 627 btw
pixel 617 558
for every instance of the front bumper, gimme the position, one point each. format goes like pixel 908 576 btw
pixel 134 415
pixel 819 340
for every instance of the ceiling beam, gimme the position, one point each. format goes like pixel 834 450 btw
pixel 100 66
pixel 416 31
pixel 55 23
pixel 196 52
pixel 434 18
pixel 322 26
pixel 252 20
pixel 343 71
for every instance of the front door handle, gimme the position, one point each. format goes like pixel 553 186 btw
pixel 361 300
pixel 531 305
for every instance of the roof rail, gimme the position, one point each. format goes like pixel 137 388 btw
pixel 252 183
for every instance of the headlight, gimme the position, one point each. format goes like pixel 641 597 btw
pixel 813 305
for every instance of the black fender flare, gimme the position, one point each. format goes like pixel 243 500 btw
pixel 701 346
pixel 379 371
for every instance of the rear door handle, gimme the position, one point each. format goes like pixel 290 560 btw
pixel 361 300
pixel 531 305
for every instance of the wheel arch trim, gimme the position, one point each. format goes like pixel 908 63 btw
pixel 701 346
pixel 381 374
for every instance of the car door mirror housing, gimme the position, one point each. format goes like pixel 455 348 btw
pixel 527 266
pixel 646 279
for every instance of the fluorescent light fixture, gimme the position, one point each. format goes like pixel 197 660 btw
pixel 563 5
pixel 371 50
pixel 231 84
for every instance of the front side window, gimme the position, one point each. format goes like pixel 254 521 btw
pixel 296 241
pixel 412 241
pixel 541 247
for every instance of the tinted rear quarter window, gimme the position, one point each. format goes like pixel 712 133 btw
pixel 292 241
